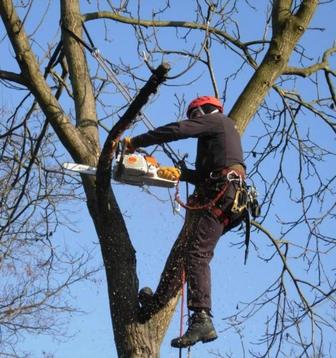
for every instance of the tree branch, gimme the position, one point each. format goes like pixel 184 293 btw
pixel 151 23
pixel 305 10
pixel 308 71
pixel 13 77
pixel 85 103
pixel 281 11
pixel 284 263
pixel 117 250
pixel 105 159
pixel 67 133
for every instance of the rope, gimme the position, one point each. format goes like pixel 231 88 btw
pixel 208 205
pixel 120 86
pixel 182 307
pixel 183 282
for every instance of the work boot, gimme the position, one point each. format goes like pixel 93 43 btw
pixel 147 302
pixel 200 329
pixel 145 296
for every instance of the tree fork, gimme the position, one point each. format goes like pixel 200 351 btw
pixel 133 339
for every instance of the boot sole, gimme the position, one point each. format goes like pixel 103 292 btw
pixel 211 337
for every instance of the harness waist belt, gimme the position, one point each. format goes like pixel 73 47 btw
pixel 237 168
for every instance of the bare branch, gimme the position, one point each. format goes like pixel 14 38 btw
pixel 308 71
pixel 154 24
pixel 13 77
pixel 34 78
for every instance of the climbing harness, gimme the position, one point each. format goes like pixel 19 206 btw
pixel 209 205
pixel 245 203
pixel 227 177
pixel 119 85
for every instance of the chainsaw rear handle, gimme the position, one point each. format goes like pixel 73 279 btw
pixel 121 150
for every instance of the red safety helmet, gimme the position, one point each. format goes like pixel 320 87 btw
pixel 200 101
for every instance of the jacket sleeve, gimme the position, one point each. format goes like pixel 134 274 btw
pixel 190 128
pixel 189 176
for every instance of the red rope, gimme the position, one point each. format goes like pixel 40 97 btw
pixel 183 281
pixel 208 205
pixel 182 301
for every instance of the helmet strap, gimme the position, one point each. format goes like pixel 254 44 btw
pixel 201 111
pixel 195 111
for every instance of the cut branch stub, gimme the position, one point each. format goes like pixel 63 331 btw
pixel 158 76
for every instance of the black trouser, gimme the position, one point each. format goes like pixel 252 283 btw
pixel 203 230
pixel 194 250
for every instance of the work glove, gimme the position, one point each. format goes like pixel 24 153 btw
pixel 169 173
pixel 127 142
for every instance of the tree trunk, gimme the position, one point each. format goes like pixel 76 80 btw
pixel 134 338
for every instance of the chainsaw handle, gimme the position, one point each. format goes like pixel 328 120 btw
pixel 121 150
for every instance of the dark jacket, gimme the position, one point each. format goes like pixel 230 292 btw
pixel 218 146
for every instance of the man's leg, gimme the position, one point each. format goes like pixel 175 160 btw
pixel 204 233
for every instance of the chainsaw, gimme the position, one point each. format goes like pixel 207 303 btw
pixel 133 169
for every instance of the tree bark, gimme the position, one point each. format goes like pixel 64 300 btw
pixel 33 77
pixel 85 103
pixel 133 338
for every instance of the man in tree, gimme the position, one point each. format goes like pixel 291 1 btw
pixel 219 172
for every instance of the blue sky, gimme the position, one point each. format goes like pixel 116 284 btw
pixel 152 225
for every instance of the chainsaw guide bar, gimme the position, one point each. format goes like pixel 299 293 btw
pixel 132 169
